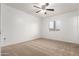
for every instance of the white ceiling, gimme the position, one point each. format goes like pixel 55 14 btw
pixel 59 8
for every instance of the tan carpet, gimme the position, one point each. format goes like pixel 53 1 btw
pixel 42 47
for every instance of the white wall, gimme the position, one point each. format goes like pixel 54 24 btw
pixel 18 26
pixel 78 25
pixel 68 28
pixel 0 22
pixel 0 29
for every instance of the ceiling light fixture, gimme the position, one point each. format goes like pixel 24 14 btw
pixel 43 11
pixel 43 8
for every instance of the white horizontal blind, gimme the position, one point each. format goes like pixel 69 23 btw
pixel 51 25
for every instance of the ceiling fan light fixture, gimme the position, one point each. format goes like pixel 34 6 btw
pixel 43 11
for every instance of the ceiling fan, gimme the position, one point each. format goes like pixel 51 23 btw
pixel 43 8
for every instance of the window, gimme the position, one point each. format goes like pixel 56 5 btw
pixel 58 24
pixel 51 25
pixel 54 25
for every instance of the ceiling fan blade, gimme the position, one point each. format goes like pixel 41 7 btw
pixel 37 7
pixel 38 11
pixel 50 9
